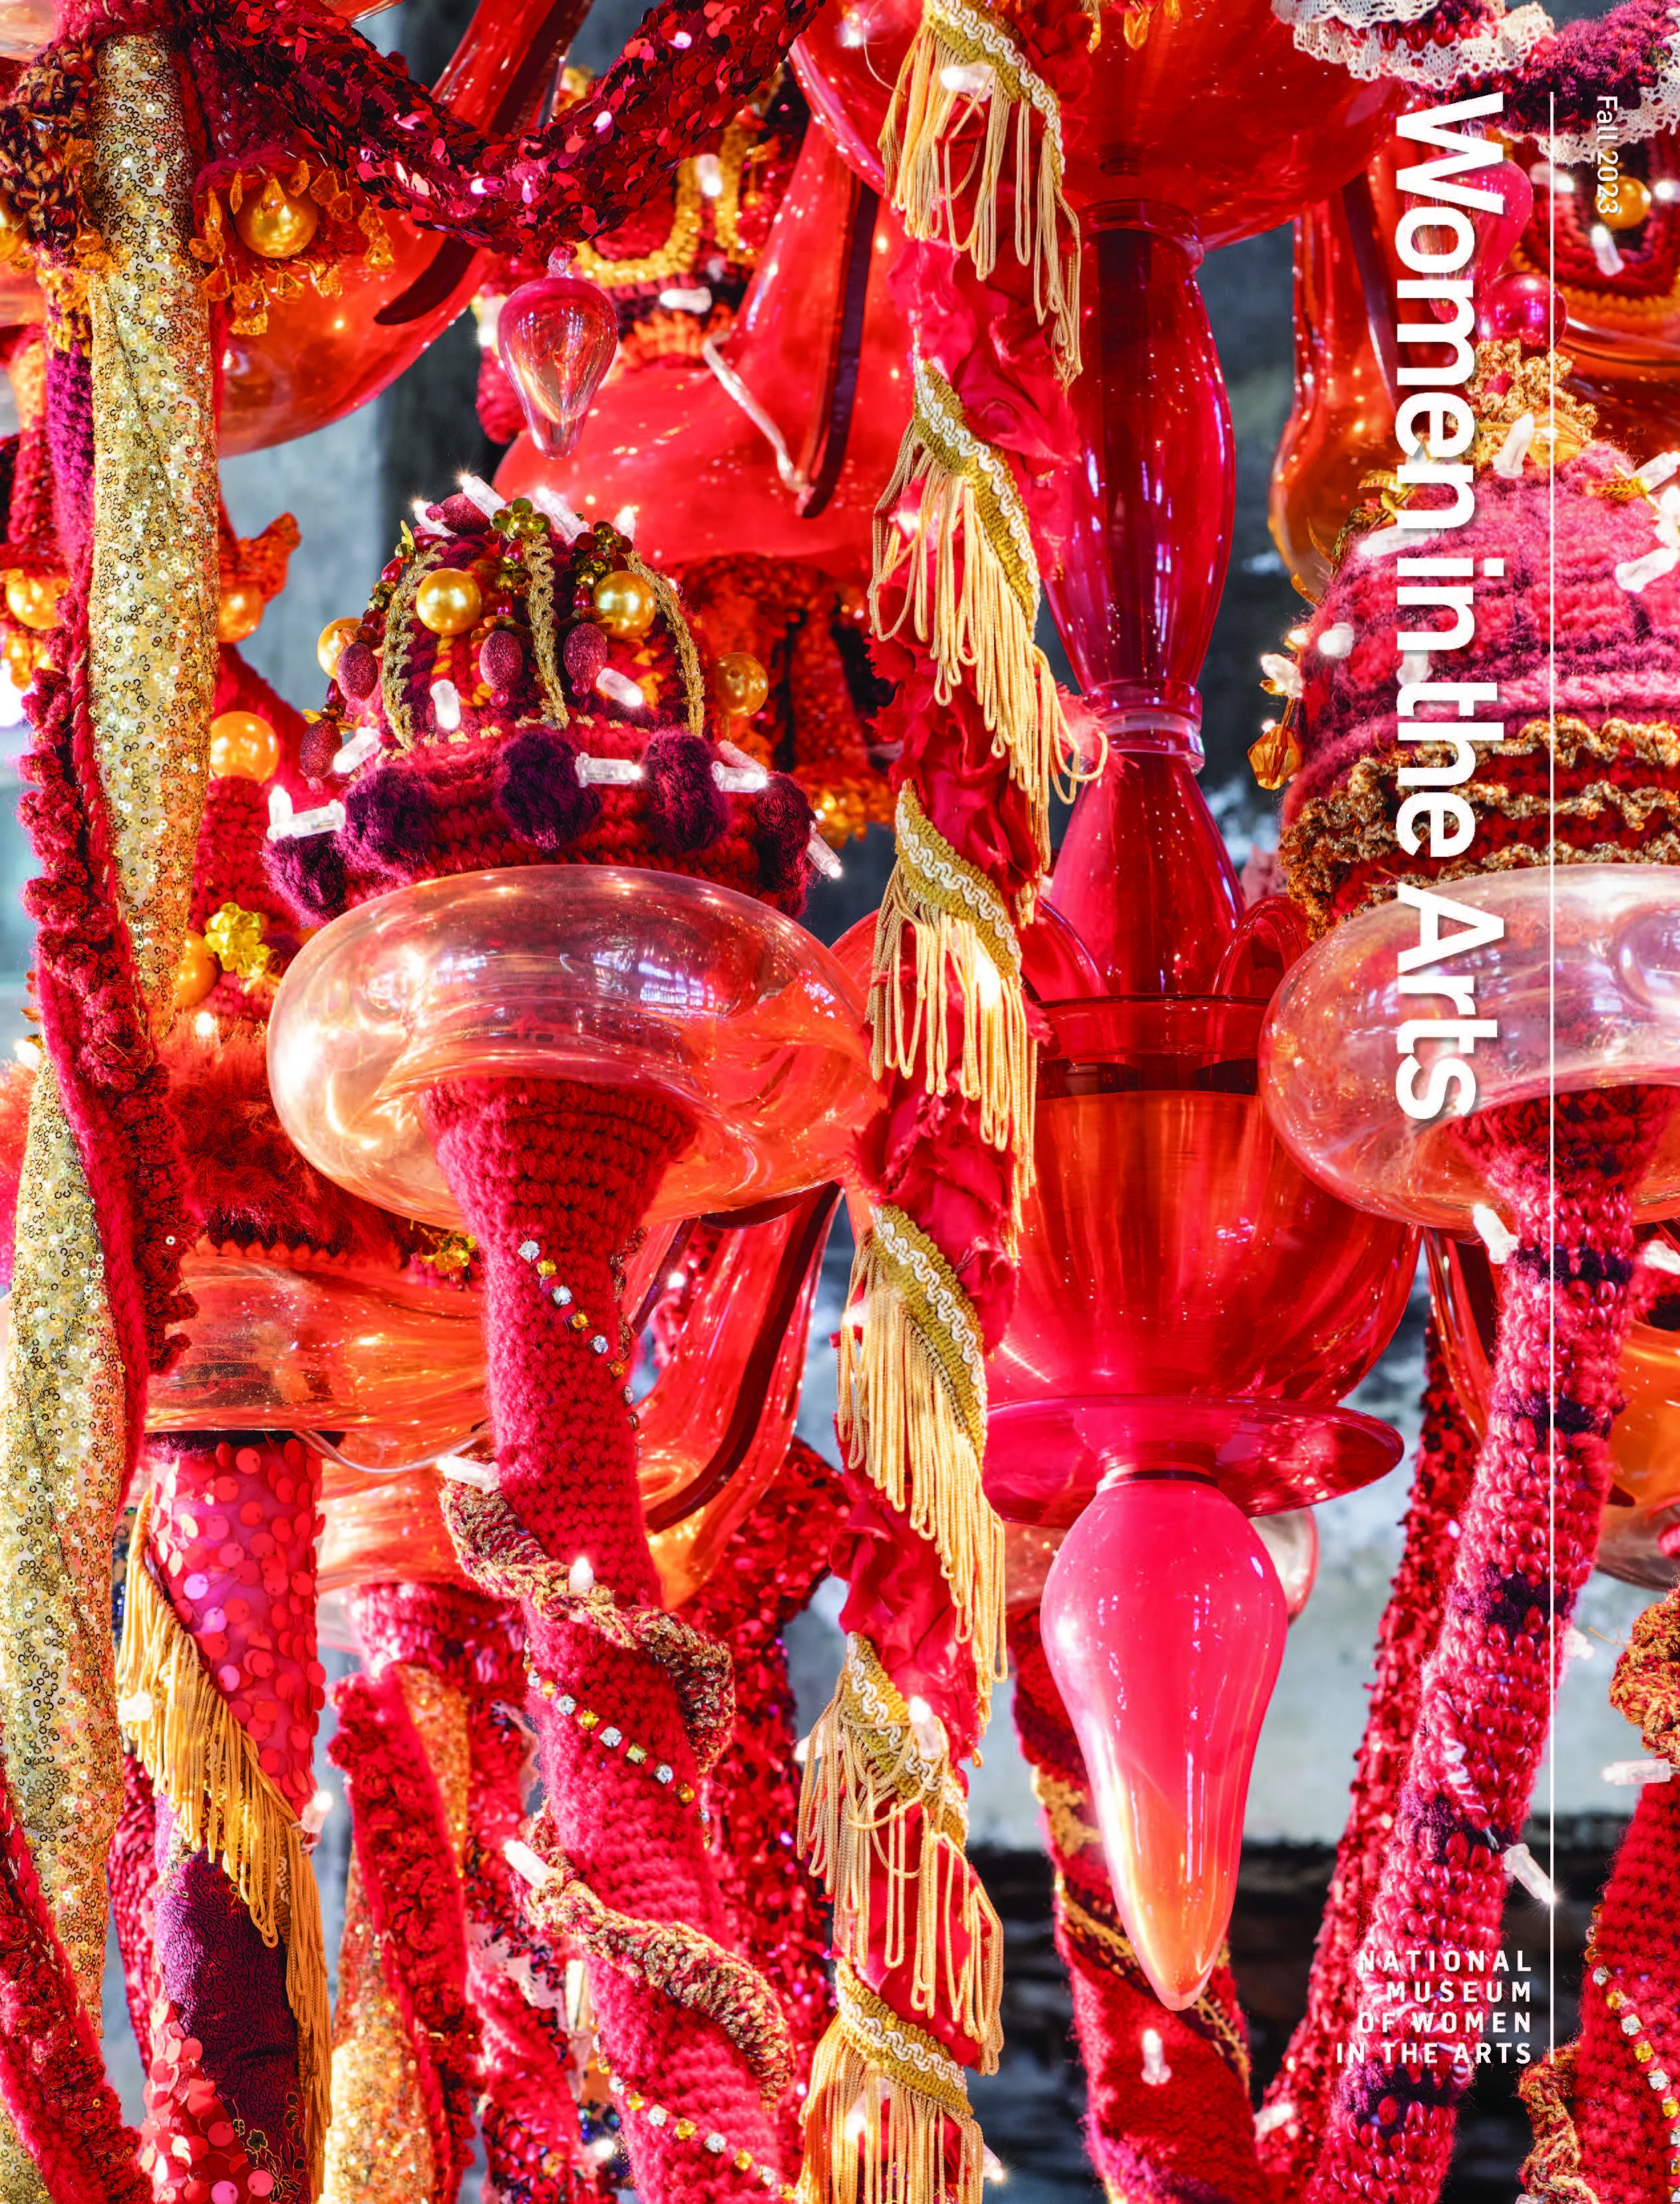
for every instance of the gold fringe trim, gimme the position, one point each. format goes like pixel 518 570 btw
pixel 879 1811
pixel 964 55
pixel 884 2097
pixel 979 627
pixel 911 1416
pixel 191 1746
pixel 963 933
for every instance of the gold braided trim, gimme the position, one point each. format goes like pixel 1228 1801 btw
pixel 961 930
pixel 1106 1944
pixel 186 1738
pixel 675 257
pixel 505 1559
pixel 539 566
pixel 911 1418
pixel 931 102
pixel 882 1822
pixel 1353 822
pixel 975 612
pixel 398 638
pixel 688 658
pixel 1065 1806
pixel 1552 2171
pixel 680 1962
pixel 886 2103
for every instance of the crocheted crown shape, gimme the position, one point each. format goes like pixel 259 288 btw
pixel 1574 583
pixel 545 733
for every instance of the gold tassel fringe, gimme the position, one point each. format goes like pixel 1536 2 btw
pixel 962 55
pixel 979 628
pixel 207 1766
pixel 878 1807
pixel 912 1417
pixel 962 933
pixel 884 2098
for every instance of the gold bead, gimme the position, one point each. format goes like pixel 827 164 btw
pixel 1644 2054
pixel 330 643
pixel 1670 2109
pixel 1624 204
pixel 635 2101
pixel 243 747
pixel 240 613
pixel 636 1754
pixel 1614 1999
pixel 742 2161
pixel 196 972
pixel 32 599
pixel 448 601
pixel 685 1794
pixel 743 685
pixel 545 1269
pixel 588 1719
pixel 684 2128
pixel 277 225
pixel 624 604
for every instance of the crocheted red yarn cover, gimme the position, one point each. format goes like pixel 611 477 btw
pixel 1411 1626
pixel 573 1169
pixel 1624 2139
pixel 1192 2138
pixel 1528 1536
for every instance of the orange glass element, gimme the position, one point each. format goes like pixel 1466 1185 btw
pixel 1584 985
pixel 596 973
pixel 1165 1670
pixel 847 63
pixel 1343 420
pixel 703 478
pixel 320 358
pixel 1645 1440
pixel 1187 1294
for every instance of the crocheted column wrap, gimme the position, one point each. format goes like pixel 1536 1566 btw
pixel 405 2048
pixel 1606 2107
pixel 219 1691
pixel 767 1575
pixel 566 1172
pixel 1529 1536
pixel 1296 2104
pixel 1189 2138
pixel 457 1643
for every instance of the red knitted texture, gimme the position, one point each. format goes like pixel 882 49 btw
pixel 1529 1533
pixel 1625 2151
pixel 573 1169
pixel 1410 1624
pixel 767 1575
pixel 412 1894
pixel 52 2076
pixel 1189 2140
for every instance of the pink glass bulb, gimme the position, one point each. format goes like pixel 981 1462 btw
pixel 557 337
pixel 1164 1622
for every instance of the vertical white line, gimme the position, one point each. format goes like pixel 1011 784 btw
pixel 1552 1117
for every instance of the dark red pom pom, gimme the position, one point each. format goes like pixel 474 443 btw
pixel 686 807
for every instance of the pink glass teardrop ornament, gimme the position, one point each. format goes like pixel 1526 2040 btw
pixel 1164 1623
pixel 557 337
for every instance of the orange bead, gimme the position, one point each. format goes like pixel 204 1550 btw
pixel 624 604
pixel 277 225
pixel 330 643
pixel 196 972
pixel 243 747
pixel 448 601
pixel 32 599
pixel 743 685
pixel 240 612
pixel 1624 204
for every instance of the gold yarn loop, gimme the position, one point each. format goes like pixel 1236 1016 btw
pixel 962 934
pixel 1551 2172
pixel 399 637
pixel 184 1735
pixel 884 2099
pixel 882 1820
pixel 911 1418
pixel 969 583
pixel 938 89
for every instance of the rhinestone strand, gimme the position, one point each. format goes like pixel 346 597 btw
pixel 609 1735
pixel 1644 2052
pixel 686 2130
pixel 580 1319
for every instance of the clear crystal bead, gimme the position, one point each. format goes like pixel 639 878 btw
pixel 529 1251
pixel 715 2143
pixel 566 1704
pixel 664 1772
pixel 612 1737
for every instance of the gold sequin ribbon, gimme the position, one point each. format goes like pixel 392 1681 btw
pixel 152 664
